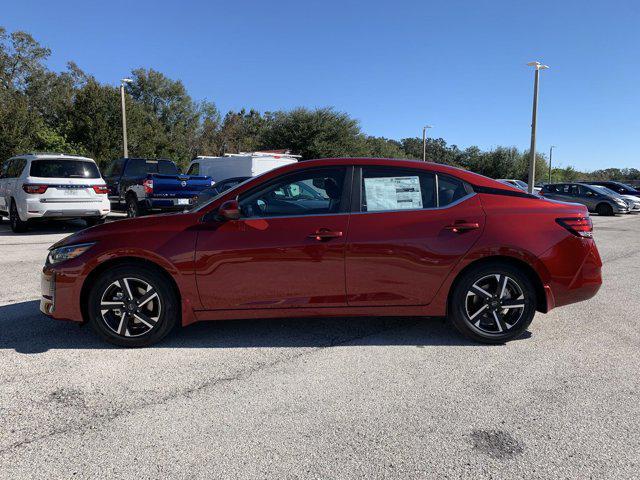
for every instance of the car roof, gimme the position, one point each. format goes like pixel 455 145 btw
pixel 51 155
pixel 467 176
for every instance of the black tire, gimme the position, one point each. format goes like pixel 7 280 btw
pixel 93 221
pixel 134 209
pixel 17 225
pixel 127 326
pixel 604 210
pixel 497 319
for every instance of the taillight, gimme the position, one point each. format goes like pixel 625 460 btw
pixel 100 189
pixel 579 226
pixel 34 188
pixel 148 186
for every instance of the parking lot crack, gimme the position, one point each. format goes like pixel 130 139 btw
pixel 243 374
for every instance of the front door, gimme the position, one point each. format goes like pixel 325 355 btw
pixel 412 228
pixel 287 250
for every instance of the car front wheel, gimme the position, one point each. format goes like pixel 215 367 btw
pixel 493 303
pixel 133 306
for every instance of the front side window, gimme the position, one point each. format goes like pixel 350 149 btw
pixel 314 192
pixel 54 168
pixel 388 189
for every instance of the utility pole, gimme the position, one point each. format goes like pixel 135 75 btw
pixel 424 142
pixel 124 116
pixel 532 151
pixel 550 157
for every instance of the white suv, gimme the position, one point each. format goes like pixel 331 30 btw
pixel 52 186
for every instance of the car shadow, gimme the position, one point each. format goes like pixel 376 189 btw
pixel 24 329
pixel 48 227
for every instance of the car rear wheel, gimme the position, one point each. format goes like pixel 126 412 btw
pixel 604 209
pixel 133 306
pixel 133 207
pixel 17 225
pixel 493 303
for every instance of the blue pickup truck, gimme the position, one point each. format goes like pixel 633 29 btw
pixel 140 186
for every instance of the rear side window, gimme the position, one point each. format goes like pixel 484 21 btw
pixel 54 168
pixel 389 189
pixel 450 190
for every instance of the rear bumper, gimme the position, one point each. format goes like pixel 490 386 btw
pixel 168 204
pixel 574 268
pixel 36 208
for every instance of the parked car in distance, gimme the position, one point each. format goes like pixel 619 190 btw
pixel 632 202
pixel 595 200
pixel 47 186
pixel 239 165
pixel 377 237
pixel 524 186
pixel 618 187
pixel 209 193
pixel 140 186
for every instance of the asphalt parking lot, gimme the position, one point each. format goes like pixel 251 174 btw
pixel 400 398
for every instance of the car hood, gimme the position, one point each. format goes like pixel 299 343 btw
pixel 129 226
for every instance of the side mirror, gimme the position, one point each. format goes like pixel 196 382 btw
pixel 229 210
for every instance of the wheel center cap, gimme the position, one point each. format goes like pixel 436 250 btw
pixel 494 304
pixel 131 306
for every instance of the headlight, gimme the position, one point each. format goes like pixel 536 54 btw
pixel 61 254
pixel 621 202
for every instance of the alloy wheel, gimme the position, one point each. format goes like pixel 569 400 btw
pixel 494 304
pixel 130 307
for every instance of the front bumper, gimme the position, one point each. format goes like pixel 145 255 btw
pixel 48 289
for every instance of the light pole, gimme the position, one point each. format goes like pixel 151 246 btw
pixel 424 142
pixel 550 157
pixel 124 116
pixel 532 151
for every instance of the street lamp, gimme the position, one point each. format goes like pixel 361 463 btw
pixel 550 157
pixel 124 116
pixel 532 151
pixel 424 142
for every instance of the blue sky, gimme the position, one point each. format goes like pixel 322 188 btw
pixel 459 65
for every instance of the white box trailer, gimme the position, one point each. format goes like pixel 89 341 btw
pixel 239 164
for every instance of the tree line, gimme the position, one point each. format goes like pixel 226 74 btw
pixel 72 112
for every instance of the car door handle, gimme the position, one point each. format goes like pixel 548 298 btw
pixel 324 234
pixel 461 227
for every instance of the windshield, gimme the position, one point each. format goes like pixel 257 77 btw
pixel 605 190
pixel 628 187
pixel 54 168
pixel 202 203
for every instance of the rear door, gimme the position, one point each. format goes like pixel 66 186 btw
pixel 411 228
pixel 286 251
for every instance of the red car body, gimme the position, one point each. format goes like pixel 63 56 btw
pixel 379 263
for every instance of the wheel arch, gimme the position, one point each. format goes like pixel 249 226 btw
pixel 128 261
pixel 541 299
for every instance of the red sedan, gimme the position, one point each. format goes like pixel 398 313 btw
pixel 336 237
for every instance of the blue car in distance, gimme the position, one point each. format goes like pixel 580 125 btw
pixel 140 186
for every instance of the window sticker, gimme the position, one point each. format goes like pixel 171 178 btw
pixel 392 193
